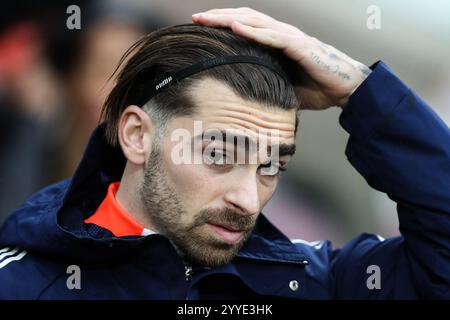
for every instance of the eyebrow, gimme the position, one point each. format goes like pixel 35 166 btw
pixel 284 149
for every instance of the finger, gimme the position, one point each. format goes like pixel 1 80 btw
pixel 216 12
pixel 267 37
pixel 242 10
pixel 223 11
pixel 213 20
pixel 217 20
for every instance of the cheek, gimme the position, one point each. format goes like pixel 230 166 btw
pixel 188 180
pixel 266 195
pixel 198 186
pixel 191 182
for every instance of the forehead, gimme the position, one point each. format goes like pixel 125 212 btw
pixel 219 107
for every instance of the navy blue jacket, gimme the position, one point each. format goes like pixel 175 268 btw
pixel 397 143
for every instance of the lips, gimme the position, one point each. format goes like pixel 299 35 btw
pixel 226 233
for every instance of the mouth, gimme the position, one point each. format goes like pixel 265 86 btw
pixel 226 233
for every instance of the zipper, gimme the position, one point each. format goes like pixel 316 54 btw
pixel 188 272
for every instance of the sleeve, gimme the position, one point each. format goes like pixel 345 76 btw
pixel 402 148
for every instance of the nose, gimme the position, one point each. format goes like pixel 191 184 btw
pixel 244 195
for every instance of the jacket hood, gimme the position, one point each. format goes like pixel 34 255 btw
pixel 51 221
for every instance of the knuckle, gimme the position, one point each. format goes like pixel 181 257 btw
pixel 255 18
pixel 246 9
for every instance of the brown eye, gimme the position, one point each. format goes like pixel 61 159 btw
pixel 271 169
pixel 216 157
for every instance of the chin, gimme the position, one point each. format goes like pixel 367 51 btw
pixel 213 256
pixel 213 262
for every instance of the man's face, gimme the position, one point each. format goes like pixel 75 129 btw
pixel 208 208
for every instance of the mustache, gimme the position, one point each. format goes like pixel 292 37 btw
pixel 226 217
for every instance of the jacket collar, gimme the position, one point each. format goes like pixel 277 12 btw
pixel 102 164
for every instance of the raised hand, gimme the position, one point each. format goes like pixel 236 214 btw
pixel 328 76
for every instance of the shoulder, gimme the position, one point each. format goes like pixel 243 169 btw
pixel 24 275
pixel 371 267
pixel 347 269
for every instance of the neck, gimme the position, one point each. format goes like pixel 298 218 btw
pixel 128 195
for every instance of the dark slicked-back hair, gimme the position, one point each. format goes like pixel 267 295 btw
pixel 170 49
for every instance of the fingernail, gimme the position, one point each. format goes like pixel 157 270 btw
pixel 196 15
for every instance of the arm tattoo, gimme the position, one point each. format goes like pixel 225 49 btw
pixel 364 69
pixel 333 69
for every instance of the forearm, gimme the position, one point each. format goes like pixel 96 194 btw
pixel 402 148
pixel 397 142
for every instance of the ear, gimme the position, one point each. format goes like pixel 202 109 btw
pixel 136 132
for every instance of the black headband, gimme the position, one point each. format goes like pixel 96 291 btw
pixel 148 89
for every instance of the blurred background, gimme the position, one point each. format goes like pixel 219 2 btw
pixel 53 82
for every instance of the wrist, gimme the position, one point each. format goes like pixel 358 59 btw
pixel 362 73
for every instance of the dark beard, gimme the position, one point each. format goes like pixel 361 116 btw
pixel 165 210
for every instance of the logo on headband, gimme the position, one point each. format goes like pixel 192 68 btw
pixel 163 83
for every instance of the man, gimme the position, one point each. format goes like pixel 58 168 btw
pixel 138 221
